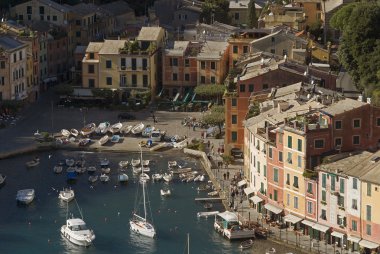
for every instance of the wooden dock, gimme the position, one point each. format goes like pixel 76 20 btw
pixel 209 199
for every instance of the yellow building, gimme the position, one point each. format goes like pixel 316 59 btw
pixel 123 64
pixel 288 15
pixel 294 165
pixel 313 11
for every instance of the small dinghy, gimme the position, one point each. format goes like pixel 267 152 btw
pixel 156 177
pixel 212 194
pixel 270 251
pixel 103 128
pixel 66 195
pixel 103 140
pixel 115 128
pixel 123 164
pixel 74 132
pixel 135 163
pixel 65 133
pixel 88 129
pixel 145 163
pixel 70 162
pixel 144 177
pixel 246 244
pixel 106 170
pixel 104 178
pixel 165 192
pixel 172 164
pixel 93 179
pixel 137 129
pixel 57 169
pixel 126 129
pixel 104 162
pixel 167 177
pixel 33 163
pixel 115 139
pixel 25 196
pixel 208 206
pixel 122 177
pixel 91 169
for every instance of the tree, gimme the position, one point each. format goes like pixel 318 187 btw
pixel 252 17
pixel 215 117
pixel 227 159
pixel 218 8
pixel 359 51
pixel 211 91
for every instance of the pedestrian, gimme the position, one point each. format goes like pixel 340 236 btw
pixel 228 174
pixel 193 126
pixel 202 135
pixel 188 125
pixel 224 176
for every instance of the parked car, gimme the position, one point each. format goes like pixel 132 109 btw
pixel 126 116
pixel 237 153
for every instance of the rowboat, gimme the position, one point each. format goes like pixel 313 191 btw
pixel 115 139
pixel 246 244
pixel 122 177
pixel 91 169
pixel 165 192
pixel 123 164
pixel 156 177
pixel 145 162
pixel 84 141
pixel 33 163
pixel 74 132
pixel 138 128
pixel 102 128
pixel 70 162
pixel 207 206
pixel 93 178
pixel 212 193
pixel 88 129
pixel 104 178
pixel 106 170
pixel 115 128
pixel 58 169
pixel 103 140
pixel 126 129
pixel 135 163
pixel 65 133
pixel 167 177
pixel 147 131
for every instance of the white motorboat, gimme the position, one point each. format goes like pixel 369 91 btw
pixel 104 140
pixel 167 177
pixel 146 169
pixel 106 170
pixel 58 169
pixel 2 179
pixel 103 128
pixel 206 214
pixel 93 178
pixel 140 224
pixel 145 163
pixel 33 163
pixel 165 192
pixel 115 139
pixel 66 195
pixel 74 132
pixel 91 169
pixel 123 177
pixel 104 162
pixel 136 170
pixel 126 129
pixel 212 193
pixel 135 163
pixel 123 164
pixel 156 136
pixel 144 177
pixel 138 128
pixel 202 178
pixel 65 133
pixel 70 162
pixel 115 128
pixel 88 129
pixel 156 177
pixel 25 196
pixel 172 164
pixel 75 230
pixel 104 178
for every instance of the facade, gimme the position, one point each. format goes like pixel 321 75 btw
pixel 186 16
pixel 13 69
pixel 239 13
pixel 289 15
pixel 313 11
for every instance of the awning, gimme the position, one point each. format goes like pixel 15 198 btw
pixel 337 234
pixel 353 239
pixel 228 216
pixel 273 209
pixel 292 219
pixel 320 227
pixel 242 182
pixel 256 199
pixel 368 244
pixel 249 190
pixel 308 223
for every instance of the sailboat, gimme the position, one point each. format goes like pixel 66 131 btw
pixel 139 224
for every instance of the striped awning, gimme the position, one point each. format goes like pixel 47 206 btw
pixel 256 199
pixel 292 218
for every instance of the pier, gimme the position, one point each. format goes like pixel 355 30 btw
pixel 209 199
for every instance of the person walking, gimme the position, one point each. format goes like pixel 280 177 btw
pixel 228 175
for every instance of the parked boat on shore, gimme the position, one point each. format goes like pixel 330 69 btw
pixel 126 129
pixel 138 128
pixel 84 141
pixel 65 133
pixel 102 128
pixel 115 128
pixel 103 140
pixel 167 177
pixel 156 177
pixel 74 132
pixel 115 139
pixel 88 129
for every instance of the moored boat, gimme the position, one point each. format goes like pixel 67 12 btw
pixel 33 162
pixel 66 195
pixel 93 178
pixel 167 177
pixel 65 133
pixel 147 131
pixel 138 128
pixel 106 170
pixel 156 177
pixel 123 164
pixel 212 194
pixel 135 163
pixel 57 169
pixel 115 128
pixel 70 162
pixel 115 139
pixel 88 129
pixel 144 177
pixel 207 214
pixel 172 164
pixel 103 140
pixel 122 177
pixel 207 206
pixel 74 132
pixel 91 169
pixel 246 244
pixel 165 192
pixel 25 196
pixel 104 178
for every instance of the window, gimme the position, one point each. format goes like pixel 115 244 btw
pixel 213 66
pixel 275 194
pixel 270 152
pixel 20 55
pixel 287 199
pixel 323 214
pixel 356 123
pixel 108 64
pixel 123 63
pixel 233 136
pixel 144 64
pixel 323 195
pixel 295 202
pixel 355 204
pixel 299 161
pixel 262 188
pixel 341 187
pixel 265 170
pixel 203 79
pixel 78 22
pixel 29 9
pixel 236 16
pixel 338 125
pixel 280 156
pixel 332 182
pixel 212 80
pixel 48 17
pixel 309 207
pixel 310 188
pixel 203 65
pixel 2 64
pixel 338 142
pixel 299 145
pixel 369 189
pixel 354 225
pixel 273 39
pixel 368 213
pixel 356 140
pixel 14 57
pixel 54 18
pixel 265 86
pixel 145 80
pixel 187 62
pixel 235 49
pixel 123 80
pixel 368 229
pixel 242 88
pixel 134 64
pixel 174 61
pixel 354 183
pixel 245 49
pixel 77 34
pixel 290 141
pixel 323 180
pixel 42 10
pixel 187 77
pixel 234 102
pixel 319 143
pixel 258 167
pixel 175 76
pixel 341 201
pixel 134 80
pixel 289 159
pixel 275 175
pixel 272 51
pixel 234 119
pixel 295 183
pixel 91 83
pixel 91 68
pixel 250 88
pixel 378 121
pixel 92 56
pixel 109 81
pixel 288 179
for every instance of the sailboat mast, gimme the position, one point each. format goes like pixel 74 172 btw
pixel 188 243
pixel 143 184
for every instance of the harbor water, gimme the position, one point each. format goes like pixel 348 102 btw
pixel 106 208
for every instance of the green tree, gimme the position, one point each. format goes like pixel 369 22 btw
pixel 218 8
pixel 212 91
pixel 252 17
pixel 215 117
pixel 359 51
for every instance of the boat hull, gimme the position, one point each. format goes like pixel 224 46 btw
pixel 142 228
pixel 66 233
